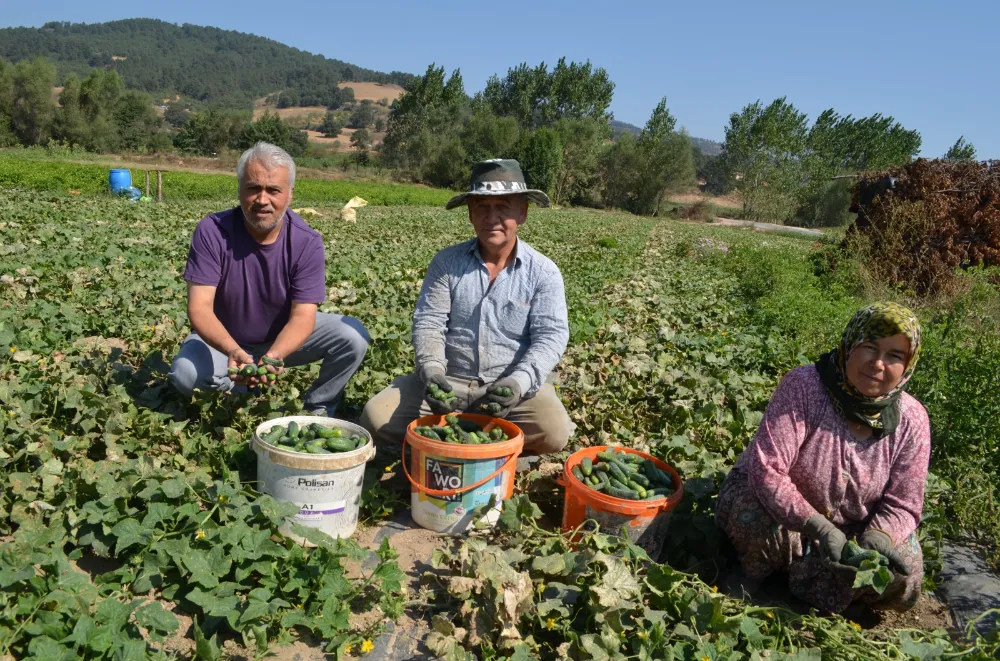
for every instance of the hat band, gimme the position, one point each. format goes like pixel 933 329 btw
pixel 491 186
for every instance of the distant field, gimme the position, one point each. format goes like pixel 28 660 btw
pixel 86 179
pixel 374 91
pixel 305 115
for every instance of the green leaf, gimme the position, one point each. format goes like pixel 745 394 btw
pixel 205 649
pixel 872 574
pixel 129 533
pixel 918 650
pixel 202 572
pixel 553 565
pixel 158 621
pixel 173 488
pixel 514 510
pixel 254 610
pixel 616 585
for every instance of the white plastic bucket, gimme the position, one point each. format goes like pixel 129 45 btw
pixel 326 487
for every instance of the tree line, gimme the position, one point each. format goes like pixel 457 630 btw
pixel 99 114
pixel 555 121
pixel 223 68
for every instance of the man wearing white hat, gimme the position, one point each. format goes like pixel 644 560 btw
pixel 490 324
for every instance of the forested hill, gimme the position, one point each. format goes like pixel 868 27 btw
pixel 708 147
pixel 222 67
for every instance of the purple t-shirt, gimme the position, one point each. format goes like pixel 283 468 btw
pixel 256 284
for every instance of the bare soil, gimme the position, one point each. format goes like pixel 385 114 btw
pixel 929 614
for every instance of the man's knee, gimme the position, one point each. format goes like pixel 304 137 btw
pixel 374 416
pixel 551 437
pixel 350 338
pixel 183 375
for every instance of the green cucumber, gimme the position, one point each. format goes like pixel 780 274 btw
pixel 273 362
pixel 587 466
pixel 262 371
pixel 339 444
pixel 248 370
pixel 627 494
pixel 329 432
pixel 577 473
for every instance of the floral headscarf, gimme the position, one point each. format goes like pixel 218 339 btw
pixel 869 324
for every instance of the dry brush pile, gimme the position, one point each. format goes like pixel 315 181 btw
pixel 940 216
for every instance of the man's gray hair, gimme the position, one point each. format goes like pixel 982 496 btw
pixel 268 155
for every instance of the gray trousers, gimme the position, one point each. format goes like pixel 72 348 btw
pixel 339 341
pixel 543 418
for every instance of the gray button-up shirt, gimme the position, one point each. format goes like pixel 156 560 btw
pixel 516 327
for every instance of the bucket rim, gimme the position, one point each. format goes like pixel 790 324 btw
pixel 622 505
pixel 302 460
pixel 513 445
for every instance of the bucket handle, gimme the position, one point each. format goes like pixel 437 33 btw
pixel 445 493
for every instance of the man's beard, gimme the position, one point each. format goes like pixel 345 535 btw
pixel 264 227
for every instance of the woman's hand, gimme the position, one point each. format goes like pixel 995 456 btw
pixel 828 536
pixel 876 540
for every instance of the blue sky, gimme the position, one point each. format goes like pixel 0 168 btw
pixel 925 63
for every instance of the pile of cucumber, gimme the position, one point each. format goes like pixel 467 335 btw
pixel 258 370
pixel 312 439
pixel 457 430
pixel 494 408
pixel 444 396
pixel 853 555
pixel 625 475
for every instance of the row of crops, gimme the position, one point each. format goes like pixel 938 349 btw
pixel 129 521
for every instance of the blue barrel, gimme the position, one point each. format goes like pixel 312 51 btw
pixel 119 180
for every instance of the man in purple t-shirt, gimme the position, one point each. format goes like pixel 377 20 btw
pixel 256 275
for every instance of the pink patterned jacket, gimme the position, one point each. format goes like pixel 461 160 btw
pixel 804 461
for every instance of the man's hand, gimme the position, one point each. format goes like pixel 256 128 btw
pixel 828 537
pixel 274 365
pixel 238 359
pixel 435 380
pixel 500 398
pixel 876 540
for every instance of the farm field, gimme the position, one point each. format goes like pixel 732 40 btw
pixel 131 528
pixel 20 170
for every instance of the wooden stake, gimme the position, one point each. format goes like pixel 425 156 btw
pixel 159 186
pixel 147 183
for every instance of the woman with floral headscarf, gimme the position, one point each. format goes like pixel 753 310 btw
pixel 841 453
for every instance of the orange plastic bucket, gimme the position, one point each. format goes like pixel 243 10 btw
pixel 645 522
pixel 449 481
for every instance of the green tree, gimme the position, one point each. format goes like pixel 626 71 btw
pixel 135 120
pixel 70 124
pixel 362 116
pixel 540 156
pixel 7 137
pixel 484 135
pixel 763 147
pixel 269 128
pixel 638 172
pixel 361 140
pixel 577 176
pixel 961 151
pixel 34 111
pixel 331 126
pixel 536 97
pixel 210 131
pixel 844 145
pixel 424 119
